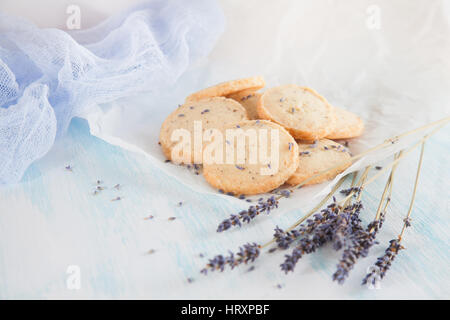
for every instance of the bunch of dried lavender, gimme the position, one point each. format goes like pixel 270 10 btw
pixel 334 225
pixel 360 241
pixel 340 224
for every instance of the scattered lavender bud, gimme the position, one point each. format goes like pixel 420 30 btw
pixel 407 222
pixel 314 145
pixel 285 193
pixel 290 145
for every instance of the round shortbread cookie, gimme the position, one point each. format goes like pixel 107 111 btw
pixel 249 100
pixel 260 170
pixel 302 111
pixel 226 88
pixel 317 157
pixel 211 113
pixel 347 125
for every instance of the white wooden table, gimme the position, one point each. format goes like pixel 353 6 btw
pixel 53 229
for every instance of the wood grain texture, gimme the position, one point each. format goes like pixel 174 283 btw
pixel 51 220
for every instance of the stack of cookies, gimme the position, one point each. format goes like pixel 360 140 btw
pixel 252 142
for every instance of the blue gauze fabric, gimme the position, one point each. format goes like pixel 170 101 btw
pixel 48 76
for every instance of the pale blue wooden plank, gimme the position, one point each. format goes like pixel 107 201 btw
pixel 51 220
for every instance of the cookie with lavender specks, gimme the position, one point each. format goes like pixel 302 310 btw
pixel 317 157
pixel 300 110
pixel 229 87
pixel 347 125
pixel 206 114
pixel 249 100
pixel 266 163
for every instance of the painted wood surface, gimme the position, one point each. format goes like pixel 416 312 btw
pixel 52 221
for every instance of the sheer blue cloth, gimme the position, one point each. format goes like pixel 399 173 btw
pixel 48 76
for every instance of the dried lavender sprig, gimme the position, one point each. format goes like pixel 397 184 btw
pixel 384 262
pixel 285 238
pixel 249 214
pixel 249 252
pixel 354 190
pixel 407 220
